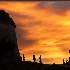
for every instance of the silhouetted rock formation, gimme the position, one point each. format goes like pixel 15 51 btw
pixel 5 19
pixel 8 41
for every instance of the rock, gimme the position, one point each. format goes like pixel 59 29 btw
pixel 8 41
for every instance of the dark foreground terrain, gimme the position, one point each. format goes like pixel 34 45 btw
pixel 31 66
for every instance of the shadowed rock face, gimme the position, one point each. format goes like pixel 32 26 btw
pixel 5 19
pixel 8 41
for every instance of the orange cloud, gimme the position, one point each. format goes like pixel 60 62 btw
pixel 43 28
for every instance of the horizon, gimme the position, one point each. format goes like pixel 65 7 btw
pixel 42 28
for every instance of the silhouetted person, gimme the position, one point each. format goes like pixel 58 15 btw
pixel 34 58
pixel 23 58
pixel 40 59
pixel 69 51
pixel 63 62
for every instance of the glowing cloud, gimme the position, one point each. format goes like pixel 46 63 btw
pixel 42 28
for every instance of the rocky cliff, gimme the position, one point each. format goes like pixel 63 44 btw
pixel 8 41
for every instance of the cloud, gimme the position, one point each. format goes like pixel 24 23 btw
pixel 65 39
pixel 35 52
pixel 21 33
pixel 63 5
pixel 21 15
pixel 26 42
pixel 40 27
pixel 59 8
pixel 22 40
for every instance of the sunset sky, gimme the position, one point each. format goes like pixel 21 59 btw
pixel 42 28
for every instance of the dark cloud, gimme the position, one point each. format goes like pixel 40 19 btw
pixel 63 5
pixel 22 40
pixel 42 5
pixel 19 17
pixel 26 42
pixel 28 20
pixel 58 7
pixel 21 33
pixel 18 14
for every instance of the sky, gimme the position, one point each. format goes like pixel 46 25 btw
pixel 42 28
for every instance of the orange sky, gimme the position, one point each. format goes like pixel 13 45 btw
pixel 43 28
